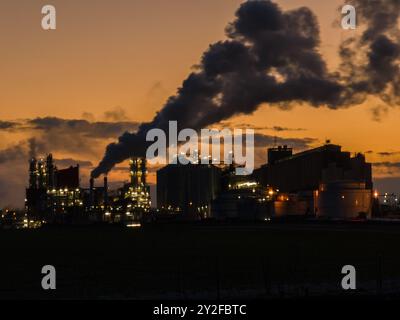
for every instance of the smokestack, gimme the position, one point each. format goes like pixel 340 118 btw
pixel 105 191
pixel 91 194
pixel 50 171
pixel 33 173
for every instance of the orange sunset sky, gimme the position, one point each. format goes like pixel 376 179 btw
pixel 113 64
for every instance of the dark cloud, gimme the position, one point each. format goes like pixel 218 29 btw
pixel 25 150
pixel 377 50
pixel 263 140
pixel 13 153
pixel 13 174
pixel 388 165
pixel 388 153
pixel 13 183
pixel 85 128
pixel 75 138
pixel 258 128
pixel 7 125
pixel 386 169
pixel 280 129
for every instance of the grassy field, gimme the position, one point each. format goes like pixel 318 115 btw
pixel 196 261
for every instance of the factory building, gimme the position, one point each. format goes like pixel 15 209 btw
pixel 55 196
pixel 188 190
pixel 324 182
pixel 126 205
pixel 133 200
pixel 138 193
pixel 306 170
pixel 241 198
pixel 96 200
pixel 299 204
pixel 52 194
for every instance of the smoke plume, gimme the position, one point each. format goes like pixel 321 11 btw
pixel 272 56
pixel 370 62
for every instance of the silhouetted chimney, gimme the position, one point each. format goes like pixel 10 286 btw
pixel 105 190
pixel 91 195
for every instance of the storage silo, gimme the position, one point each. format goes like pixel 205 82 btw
pixel 343 200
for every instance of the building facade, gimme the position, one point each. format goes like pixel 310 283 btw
pixel 330 183
pixel 188 189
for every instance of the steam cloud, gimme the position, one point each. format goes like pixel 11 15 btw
pixel 271 56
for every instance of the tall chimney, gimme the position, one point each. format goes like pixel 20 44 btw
pixel 33 173
pixel 91 195
pixel 105 191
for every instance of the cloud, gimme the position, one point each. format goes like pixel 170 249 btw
pixel 262 140
pixel 13 153
pixel 7 125
pixel 118 114
pixel 76 136
pixel 232 125
pixel 101 129
pixel 280 129
pixel 386 169
pixel 379 112
pixel 72 141
pixel 88 116
pixel 386 164
pixel 388 153
pixel 13 183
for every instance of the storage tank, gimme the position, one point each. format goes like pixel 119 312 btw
pixel 343 200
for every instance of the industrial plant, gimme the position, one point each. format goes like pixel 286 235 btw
pixel 322 183
pixel 55 196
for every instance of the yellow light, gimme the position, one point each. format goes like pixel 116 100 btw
pixel 134 225
pixel 247 184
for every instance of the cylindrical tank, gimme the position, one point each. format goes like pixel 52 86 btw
pixel 343 200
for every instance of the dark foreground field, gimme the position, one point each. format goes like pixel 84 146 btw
pixel 195 261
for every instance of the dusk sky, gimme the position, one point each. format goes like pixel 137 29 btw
pixel 113 64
